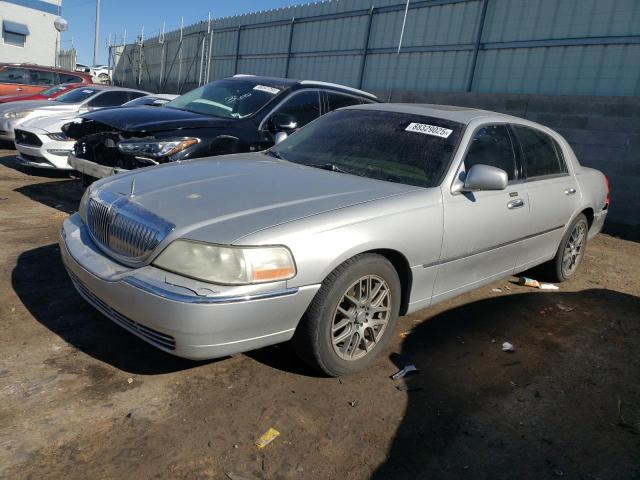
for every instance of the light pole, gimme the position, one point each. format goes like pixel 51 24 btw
pixel 96 43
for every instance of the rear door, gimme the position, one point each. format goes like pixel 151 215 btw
pixel 483 231
pixel 552 193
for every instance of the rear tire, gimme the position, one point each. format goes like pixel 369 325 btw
pixel 351 318
pixel 571 251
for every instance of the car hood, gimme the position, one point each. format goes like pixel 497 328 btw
pixel 25 105
pixel 143 119
pixel 20 98
pixel 222 199
pixel 48 124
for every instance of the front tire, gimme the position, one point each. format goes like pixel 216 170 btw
pixel 570 252
pixel 351 318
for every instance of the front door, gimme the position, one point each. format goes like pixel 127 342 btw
pixel 482 230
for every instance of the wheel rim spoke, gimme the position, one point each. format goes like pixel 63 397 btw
pixel 361 317
pixel 574 249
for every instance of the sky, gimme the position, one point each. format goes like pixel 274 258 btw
pixel 118 15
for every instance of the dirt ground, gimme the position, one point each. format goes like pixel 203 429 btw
pixel 81 398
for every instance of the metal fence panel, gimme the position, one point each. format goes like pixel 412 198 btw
pixel 585 47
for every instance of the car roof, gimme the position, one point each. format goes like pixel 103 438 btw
pixel 289 82
pixel 462 115
pixel 98 86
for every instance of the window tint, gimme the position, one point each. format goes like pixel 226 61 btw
pixel 373 144
pixel 77 95
pixel 110 99
pixel 304 106
pixel 338 100
pixel 492 145
pixel 41 77
pixel 539 152
pixel 66 78
pixel 14 75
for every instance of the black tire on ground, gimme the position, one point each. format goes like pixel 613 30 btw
pixel 312 340
pixel 554 269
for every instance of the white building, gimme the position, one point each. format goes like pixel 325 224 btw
pixel 28 34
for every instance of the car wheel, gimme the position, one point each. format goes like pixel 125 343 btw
pixel 351 318
pixel 570 252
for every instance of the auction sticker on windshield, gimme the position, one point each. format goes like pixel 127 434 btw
pixel 264 88
pixel 429 130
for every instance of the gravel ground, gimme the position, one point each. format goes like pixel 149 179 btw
pixel 82 398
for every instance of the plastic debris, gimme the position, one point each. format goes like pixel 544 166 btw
pixel 406 334
pixel 267 437
pixel 497 290
pixel 508 347
pixel 402 373
pixel 129 380
pixel 354 403
pixel 530 282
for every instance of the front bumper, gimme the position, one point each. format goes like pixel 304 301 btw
pixel 91 168
pixel 174 318
pixel 39 157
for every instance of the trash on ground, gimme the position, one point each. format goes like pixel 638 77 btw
pixel 403 387
pixel 406 370
pixel 497 290
pixel 267 437
pixel 564 308
pixel 354 403
pixel 530 282
pixel 406 334
pixel 234 476
pixel 129 380
pixel 507 347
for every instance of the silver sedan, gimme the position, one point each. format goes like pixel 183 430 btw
pixel 366 214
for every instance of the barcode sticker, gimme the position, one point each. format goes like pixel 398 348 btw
pixel 264 88
pixel 429 130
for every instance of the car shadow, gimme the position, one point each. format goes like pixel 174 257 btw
pixel 544 411
pixel 63 195
pixel 42 284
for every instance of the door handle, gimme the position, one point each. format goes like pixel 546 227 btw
pixel 18 89
pixel 569 191
pixel 517 203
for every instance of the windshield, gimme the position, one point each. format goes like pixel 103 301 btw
pixel 395 147
pixel 226 98
pixel 76 96
pixel 54 89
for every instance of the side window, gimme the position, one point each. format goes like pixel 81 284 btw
pixel 133 95
pixel 339 100
pixel 110 99
pixel 66 78
pixel 491 145
pixel 41 77
pixel 304 106
pixel 539 152
pixel 14 75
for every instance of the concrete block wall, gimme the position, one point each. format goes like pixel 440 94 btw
pixel 603 131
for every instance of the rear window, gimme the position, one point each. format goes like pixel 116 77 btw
pixel 14 75
pixel 395 147
pixel 68 78
pixel 540 153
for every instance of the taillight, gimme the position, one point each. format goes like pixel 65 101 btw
pixel 608 191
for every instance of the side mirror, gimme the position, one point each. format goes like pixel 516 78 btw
pixel 283 122
pixel 278 137
pixel 485 177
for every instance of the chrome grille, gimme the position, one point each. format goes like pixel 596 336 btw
pixel 123 228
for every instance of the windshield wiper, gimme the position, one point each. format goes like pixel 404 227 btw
pixel 331 167
pixel 274 154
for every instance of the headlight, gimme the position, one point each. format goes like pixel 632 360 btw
pixel 17 114
pixel 59 136
pixel 82 208
pixel 156 148
pixel 227 265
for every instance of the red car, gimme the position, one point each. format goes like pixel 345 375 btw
pixel 25 78
pixel 49 93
